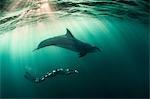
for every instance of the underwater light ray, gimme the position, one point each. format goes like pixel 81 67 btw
pixel 14 5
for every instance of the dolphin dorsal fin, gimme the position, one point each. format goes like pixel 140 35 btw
pixel 69 34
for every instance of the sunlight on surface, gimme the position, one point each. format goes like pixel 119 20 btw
pixel 37 7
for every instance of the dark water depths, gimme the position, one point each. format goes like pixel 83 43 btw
pixel 120 70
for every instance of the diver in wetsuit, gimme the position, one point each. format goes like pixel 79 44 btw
pixel 50 74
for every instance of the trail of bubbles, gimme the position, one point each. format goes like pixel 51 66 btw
pixel 52 74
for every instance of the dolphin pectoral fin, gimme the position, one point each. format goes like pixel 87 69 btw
pixel 81 54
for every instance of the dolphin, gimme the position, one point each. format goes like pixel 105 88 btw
pixel 68 41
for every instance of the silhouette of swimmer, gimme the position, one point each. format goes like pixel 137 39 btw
pixel 50 74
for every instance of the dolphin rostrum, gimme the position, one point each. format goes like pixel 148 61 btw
pixel 68 41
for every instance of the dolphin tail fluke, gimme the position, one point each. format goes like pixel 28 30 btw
pixel 98 49
pixel 81 54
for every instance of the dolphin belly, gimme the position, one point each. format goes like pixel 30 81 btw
pixel 70 47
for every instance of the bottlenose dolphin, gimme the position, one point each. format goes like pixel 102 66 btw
pixel 68 41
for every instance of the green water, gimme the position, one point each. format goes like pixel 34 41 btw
pixel 120 70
